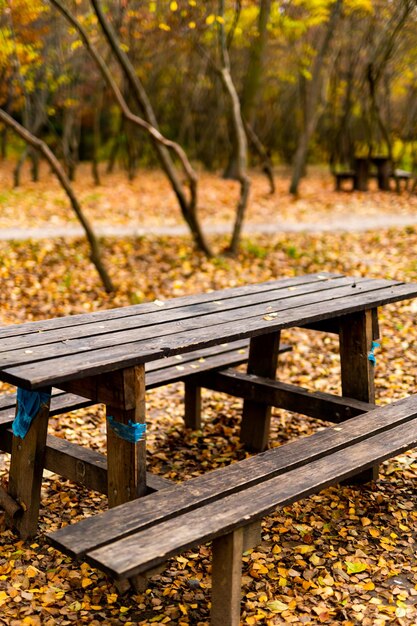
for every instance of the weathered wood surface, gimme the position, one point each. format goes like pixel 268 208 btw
pixel 194 325
pixel 8 504
pixel 126 461
pixel 26 469
pixel 317 404
pixel 247 474
pixel 77 463
pixel 226 586
pixel 137 553
pixel 357 372
pixel 64 323
pixel 256 416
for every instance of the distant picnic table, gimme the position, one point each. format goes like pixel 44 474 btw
pixel 362 171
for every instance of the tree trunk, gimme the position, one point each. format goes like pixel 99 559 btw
pixel 250 94
pixel 240 134
pixel 312 101
pixel 96 139
pixel 188 206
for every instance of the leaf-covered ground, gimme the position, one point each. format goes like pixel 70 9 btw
pixel 346 556
pixel 148 200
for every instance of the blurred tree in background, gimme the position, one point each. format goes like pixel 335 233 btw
pixel 232 84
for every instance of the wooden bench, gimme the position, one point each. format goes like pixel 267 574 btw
pixel 401 176
pixel 88 467
pixel 340 177
pixel 227 505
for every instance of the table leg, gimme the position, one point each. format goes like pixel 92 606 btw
pixel 357 331
pixel 192 405
pixel 256 416
pixel 126 461
pixel 226 587
pixel 26 470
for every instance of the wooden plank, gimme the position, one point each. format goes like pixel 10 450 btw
pixel 126 461
pixel 256 416
pixel 138 552
pixel 26 469
pixel 316 404
pixel 357 371
pixel 58 370
pixel 63 323
pixel 162 322
pixel 93 532
pixel 80 464
pixel 226 578
pixel 192 406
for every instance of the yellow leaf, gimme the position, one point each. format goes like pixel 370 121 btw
pixel 366 521
pixel 355 567
pixel 210 19
pixel 277 606
pixel 85 582
pixel 374 532
pixel 111 597
pixel 164 27
pixel 173 6
pixel 31 572
pixel 304 549
pixel 369 586
pixel 3 597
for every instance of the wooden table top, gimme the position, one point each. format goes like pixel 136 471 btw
pixel 40 354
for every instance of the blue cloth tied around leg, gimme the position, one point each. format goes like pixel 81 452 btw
pixel 371 355
pixel 28 405
pixel 132 431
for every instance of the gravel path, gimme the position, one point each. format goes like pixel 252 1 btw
pixel 346 223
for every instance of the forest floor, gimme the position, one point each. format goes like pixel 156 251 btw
pixel 345 556
pixel 146 205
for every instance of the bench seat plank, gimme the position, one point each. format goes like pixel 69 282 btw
pixel 136 554
pixel 120 522
pixel 100 360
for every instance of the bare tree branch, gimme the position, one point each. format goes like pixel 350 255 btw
pixel 42 147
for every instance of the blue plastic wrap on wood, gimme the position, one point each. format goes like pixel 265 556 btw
pixel 28 406
pixel 132 431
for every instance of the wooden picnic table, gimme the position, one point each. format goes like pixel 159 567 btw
pixel 102 356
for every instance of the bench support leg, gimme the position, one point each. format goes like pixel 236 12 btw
pixel 26 470
pixel 192 406
pixel 256 417
pixel 126 461
pixel 226 579
pixel 357 332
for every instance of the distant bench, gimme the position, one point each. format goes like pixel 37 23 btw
pixel 227 505
pixel 88 467
pixel 398 175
